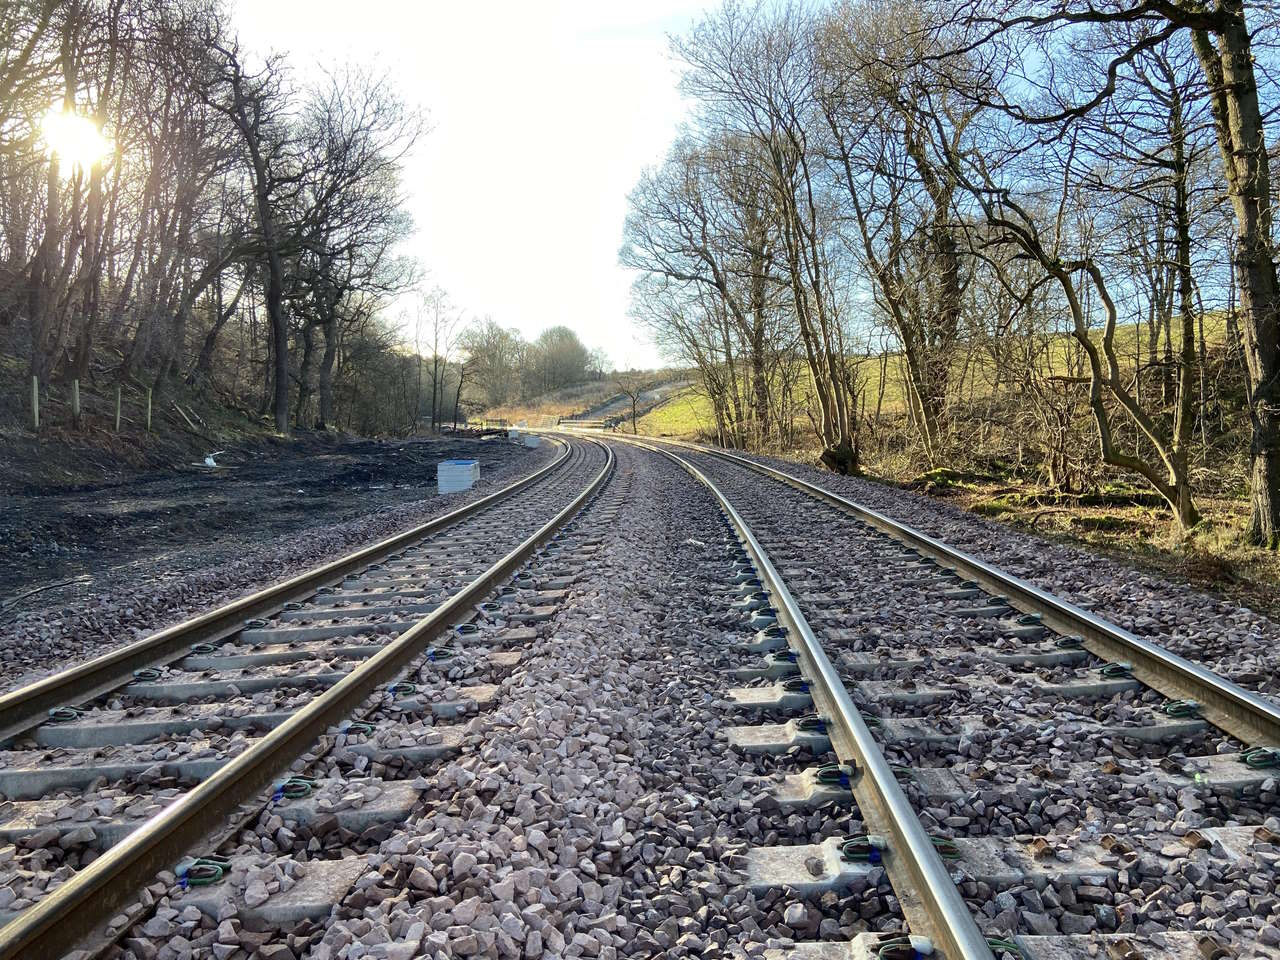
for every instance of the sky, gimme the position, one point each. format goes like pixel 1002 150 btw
pixel 542 117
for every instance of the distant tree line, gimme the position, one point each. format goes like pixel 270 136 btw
pixel 505 369
pixel 175 209
pixel 1046 224
pixel 439 368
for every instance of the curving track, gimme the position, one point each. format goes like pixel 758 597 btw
pixel 644 703
pixel 1035 766
pixel 177 752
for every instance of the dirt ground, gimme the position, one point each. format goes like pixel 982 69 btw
pixel 188 515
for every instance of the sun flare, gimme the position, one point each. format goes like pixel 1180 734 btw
pixel 74 139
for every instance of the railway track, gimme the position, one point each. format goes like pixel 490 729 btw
pixel 1016 762
pixel 642 703
pixel 313 700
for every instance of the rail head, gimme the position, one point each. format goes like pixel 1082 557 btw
pixel 1247 716
pixel 930 900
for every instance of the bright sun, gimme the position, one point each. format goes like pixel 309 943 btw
pixel 75 140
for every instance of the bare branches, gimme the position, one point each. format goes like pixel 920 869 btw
pixel 992 177
pixel 225 190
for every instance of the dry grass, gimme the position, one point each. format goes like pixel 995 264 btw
pixel 559 403
pixel 978 372
pixel 517 413
pixel 684 414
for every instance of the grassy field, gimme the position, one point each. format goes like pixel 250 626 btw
pixel 686 414
pixel 689 413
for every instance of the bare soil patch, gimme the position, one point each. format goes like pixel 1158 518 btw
pixel 185 516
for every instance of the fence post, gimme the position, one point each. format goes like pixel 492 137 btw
pixel 117 408
pixel 148 409
pixel 35 402
pixel 75 402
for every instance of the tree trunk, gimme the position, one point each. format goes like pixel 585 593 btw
pixel 731 368
pixel 203 367
pixel 175 341
pixel 92 268
pixel 326 373
pixel 457 396
pixel 306 370
pixel 758 339
pixel 1233 89
pixel 279 340
pixel 1184 415
pixel 759 378
pixel 437 392
pixel 921 394
pixel 39 299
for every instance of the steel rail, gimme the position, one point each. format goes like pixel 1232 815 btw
pixel 82 905
pixel 30 704
pixel 1245 715
pixel 930 900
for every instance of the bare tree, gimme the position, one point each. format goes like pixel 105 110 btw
pixel 879 110
pixel 1222 40
pixel 705 220
pixel 254 103
pixel 493 359
pixel 755 72
pixel 443 322
pixel 213 192
pixel 634 384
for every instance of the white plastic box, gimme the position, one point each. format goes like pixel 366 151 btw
pixel 455 475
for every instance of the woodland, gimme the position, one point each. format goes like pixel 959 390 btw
pixel 1044 227
pixel 1028 238
pixel 181 216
